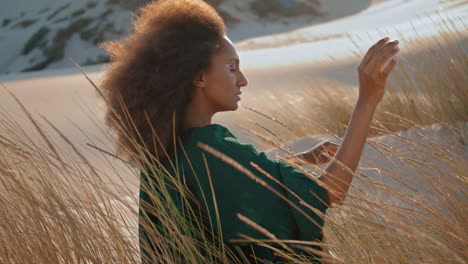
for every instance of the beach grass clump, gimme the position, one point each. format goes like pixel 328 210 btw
pixel 407 203
pixel 428 85
pixel 55 206
pixel 426 88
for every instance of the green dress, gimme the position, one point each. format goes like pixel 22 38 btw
pixel 237 193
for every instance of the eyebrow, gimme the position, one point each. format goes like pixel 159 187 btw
pixel 235 59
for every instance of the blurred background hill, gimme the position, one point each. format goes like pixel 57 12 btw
pixel 41 34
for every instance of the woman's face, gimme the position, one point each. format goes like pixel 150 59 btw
pixel 223 80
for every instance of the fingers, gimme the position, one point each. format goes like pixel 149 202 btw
pixel 330 148
pixel 390 66
pixel 385 58
pixel 382 55
pixel 372 50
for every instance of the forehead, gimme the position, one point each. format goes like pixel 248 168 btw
pixel 228 51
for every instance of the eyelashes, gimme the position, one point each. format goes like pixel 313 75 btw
pixel 231 67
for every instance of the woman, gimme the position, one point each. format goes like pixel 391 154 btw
pixel 166 82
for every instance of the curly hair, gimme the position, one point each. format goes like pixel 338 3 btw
pixel 150 80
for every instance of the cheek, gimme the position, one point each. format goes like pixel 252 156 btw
pixel 222 80
pixel 221 90
pixel 223 74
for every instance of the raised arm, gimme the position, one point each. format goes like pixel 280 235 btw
pixel 373 73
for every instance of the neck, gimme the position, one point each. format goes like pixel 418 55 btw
pixel 197 114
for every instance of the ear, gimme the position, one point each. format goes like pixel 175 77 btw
pixel 200 80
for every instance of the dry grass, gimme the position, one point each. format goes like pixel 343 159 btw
pixel 57 207
pixel 408 206
pixel 427 86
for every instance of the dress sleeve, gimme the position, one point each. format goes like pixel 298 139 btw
pixel 310 192
pixel 236 192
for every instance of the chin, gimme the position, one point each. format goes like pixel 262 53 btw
pixel 231 108
pixel 236 105
pixel 226 109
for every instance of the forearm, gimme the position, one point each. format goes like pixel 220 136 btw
pixel 337 177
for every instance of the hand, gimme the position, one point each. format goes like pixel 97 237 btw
pixel 316 155
pixel 372 71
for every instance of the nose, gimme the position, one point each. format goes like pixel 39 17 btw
pixel 243 81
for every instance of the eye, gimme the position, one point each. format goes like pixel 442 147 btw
pixel 231 67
